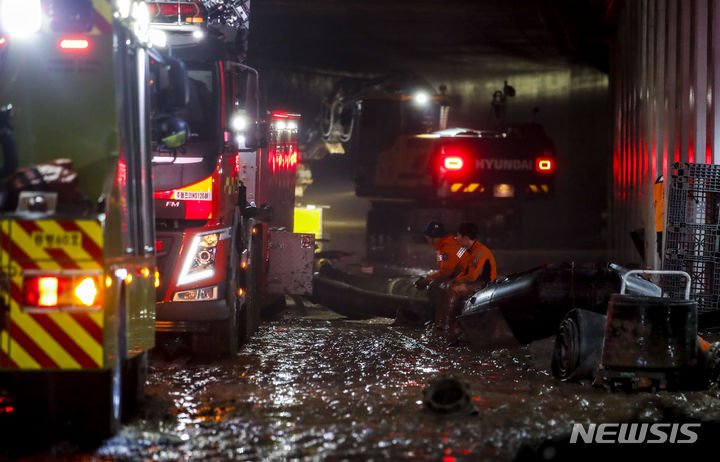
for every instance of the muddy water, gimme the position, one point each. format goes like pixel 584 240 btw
pixel 314 385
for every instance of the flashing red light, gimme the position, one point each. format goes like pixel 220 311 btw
pixel 280 159
pixel 41 291
pixel 170 9
pixel 52 291
pixel 453 163
pixel 74 44
pixel 544 165
pixel 158 246
pixel 284 115
pixel 122 172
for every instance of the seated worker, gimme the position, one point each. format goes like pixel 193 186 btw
pixel 448 255
pixel 479 268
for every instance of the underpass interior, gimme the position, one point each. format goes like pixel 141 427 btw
pixel 313 384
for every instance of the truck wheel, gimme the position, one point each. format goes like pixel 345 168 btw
pixel 133 384
pixel 222 340
pixel 249 317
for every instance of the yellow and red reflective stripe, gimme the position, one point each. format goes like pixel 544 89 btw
pixel 89 237
pixel 102 16
pixel 53 340
pixel 57 332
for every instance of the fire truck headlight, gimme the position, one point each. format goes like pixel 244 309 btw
pixel 204 293
pixel 21 18
pixel 200 261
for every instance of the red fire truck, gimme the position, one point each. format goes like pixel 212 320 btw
pixel 223 200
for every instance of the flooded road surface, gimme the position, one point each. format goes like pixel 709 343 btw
pixel 313 385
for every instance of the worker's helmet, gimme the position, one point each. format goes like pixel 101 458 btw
pixel 172 132
pixel 435 229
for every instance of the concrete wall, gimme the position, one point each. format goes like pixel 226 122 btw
pixel 663 72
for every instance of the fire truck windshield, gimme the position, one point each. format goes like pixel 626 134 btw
pixel 197 158
pixel 202 112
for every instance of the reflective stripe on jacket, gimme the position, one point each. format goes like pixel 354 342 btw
pixel 448 254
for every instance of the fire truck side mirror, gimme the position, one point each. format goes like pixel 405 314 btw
pixel 261 135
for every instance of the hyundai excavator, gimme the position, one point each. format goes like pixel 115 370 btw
pixel 414 169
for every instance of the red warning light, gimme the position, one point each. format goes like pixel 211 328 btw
pixel 544 165
pixel 453 163
pixel 74 44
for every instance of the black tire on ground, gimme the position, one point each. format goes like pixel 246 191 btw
pixel 221 340
pixel 248 319
pixel 102 418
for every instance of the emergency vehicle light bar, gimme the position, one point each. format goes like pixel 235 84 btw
pixel 76 290
pixel 176 12
pixel 284 115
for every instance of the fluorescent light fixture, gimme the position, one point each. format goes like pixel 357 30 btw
pixel 421 98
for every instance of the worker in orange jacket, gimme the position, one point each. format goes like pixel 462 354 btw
pixel 448 254
pixel 478 268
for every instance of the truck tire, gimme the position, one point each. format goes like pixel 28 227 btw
pixel 221 340
pixel 133 384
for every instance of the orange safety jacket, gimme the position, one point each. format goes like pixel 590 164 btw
pixel 474 261
pixel 448 252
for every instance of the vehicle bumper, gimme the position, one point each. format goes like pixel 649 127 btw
pixel 191 316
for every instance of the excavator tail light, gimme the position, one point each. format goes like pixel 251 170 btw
pixel 453 163
pixel 544 165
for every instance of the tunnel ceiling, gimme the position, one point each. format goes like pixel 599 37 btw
pixel 377 36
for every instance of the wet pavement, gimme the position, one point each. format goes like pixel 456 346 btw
pixel 313 385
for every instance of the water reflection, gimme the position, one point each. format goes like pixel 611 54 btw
pixel 323 387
